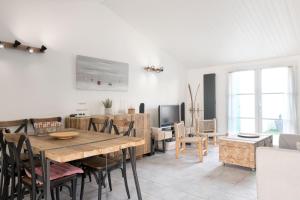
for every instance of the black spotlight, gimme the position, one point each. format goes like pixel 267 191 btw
pixel 16 44
pixel 43 49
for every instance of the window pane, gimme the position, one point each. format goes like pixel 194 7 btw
pixel 243 106
pixel 272 126
pixel 247 125
pixel 243 82
pixel 275 106
pixel 275 80
pixel 238 125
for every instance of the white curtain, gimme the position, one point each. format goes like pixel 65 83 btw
pixel 290 120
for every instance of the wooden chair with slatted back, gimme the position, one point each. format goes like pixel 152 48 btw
pixel 208 128
pixel 182 139
pixel 46 123
pixel 100 125
pixel 20 124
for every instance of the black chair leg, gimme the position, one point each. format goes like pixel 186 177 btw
pixel 13 186
pixel 19 191
pixel 52 195
pixel 57 190
pixel 1 182
pixel 124 173
pixel 125 182
pixel 109 180
pixel 82 186
pixel 74 185
pixel 103 178
pixel 90 176
pixel 5 186
pixel 100 180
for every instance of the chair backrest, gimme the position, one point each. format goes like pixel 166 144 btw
pixel 20 124
pixel 124 127
pixel 100 125
pixel 44 123
pixel 206 126
pixel 3 150
pixel 179 130
pixel 16 144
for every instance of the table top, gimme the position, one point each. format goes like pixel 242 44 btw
pixel 43 143
pixel 246 140
pixel 86 144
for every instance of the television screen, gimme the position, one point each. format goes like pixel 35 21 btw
pixel 168 115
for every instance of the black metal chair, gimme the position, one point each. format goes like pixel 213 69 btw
pixel 97 165
pixel 100 125
pixel 6 175
pixel 29 178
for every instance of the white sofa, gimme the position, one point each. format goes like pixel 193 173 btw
pixel 278 170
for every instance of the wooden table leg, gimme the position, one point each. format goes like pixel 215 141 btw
pixel 46 175
pixel 132 153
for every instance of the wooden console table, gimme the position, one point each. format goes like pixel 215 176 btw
pixel 141 125
pixel 242 151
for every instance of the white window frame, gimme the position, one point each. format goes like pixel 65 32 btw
pixel 258 93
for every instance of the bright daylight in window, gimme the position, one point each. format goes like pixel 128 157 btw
pixel 262 100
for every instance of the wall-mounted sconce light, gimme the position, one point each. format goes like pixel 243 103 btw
pixel 18 45
pixel 154 69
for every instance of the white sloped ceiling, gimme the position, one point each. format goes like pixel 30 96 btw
pixel 211 32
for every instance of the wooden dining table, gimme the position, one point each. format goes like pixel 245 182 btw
pixel 86 144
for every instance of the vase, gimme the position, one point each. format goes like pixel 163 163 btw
pixel 108 111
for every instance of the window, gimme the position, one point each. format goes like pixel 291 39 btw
pixel 262 100
pixel 242 101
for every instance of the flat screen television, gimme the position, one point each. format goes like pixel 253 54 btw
pixel 168 115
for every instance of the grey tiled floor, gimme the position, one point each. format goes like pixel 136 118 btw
pixel 162 177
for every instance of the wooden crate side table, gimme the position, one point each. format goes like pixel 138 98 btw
pixel 242 151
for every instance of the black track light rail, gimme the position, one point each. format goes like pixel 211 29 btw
pixel 19 46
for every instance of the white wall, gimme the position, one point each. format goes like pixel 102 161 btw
pixel 195 76
pixel 35 85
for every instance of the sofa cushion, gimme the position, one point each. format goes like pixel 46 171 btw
pixel 289 141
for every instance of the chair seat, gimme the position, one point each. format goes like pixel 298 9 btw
pixel 193 139
pixel 58 170
pixel 100 163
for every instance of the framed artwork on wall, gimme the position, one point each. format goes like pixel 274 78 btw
pixel 101 74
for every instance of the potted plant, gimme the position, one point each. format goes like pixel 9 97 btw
pixel 107 103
